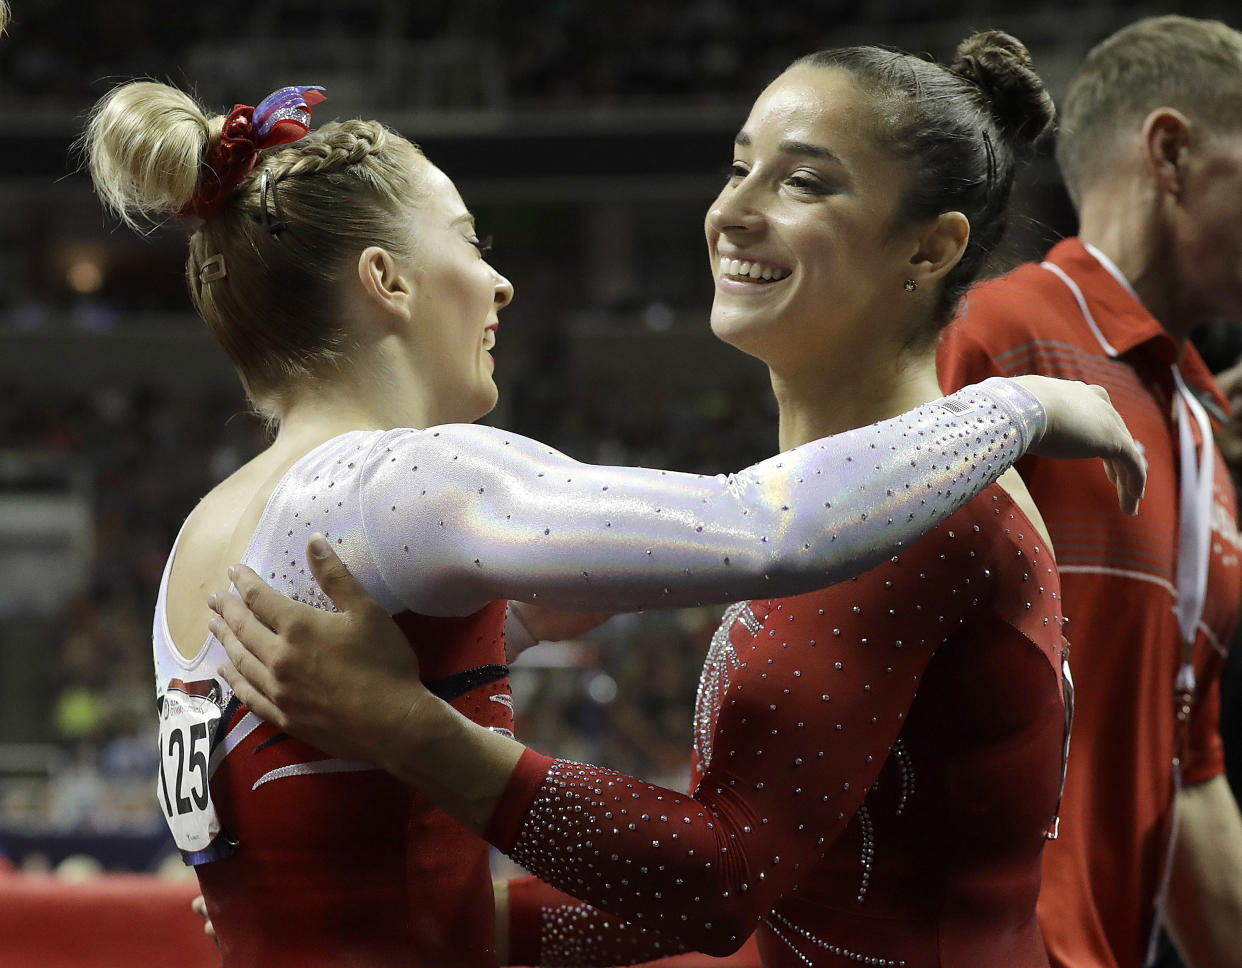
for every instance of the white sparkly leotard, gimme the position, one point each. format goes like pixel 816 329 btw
pixel 442 526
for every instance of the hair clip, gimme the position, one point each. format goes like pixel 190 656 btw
pixel 212 269
pixel 279 119
pixel 991 153
pixel 267 185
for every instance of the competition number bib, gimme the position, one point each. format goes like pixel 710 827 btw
pixel 189 716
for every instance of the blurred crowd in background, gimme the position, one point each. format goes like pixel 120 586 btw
pixel 542 52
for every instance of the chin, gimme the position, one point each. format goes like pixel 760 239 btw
pixel 743 333
pixel 486 401
pixel 469 403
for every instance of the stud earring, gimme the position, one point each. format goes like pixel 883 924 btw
pixel 911 285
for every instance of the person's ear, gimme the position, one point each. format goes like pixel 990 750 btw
pixel 384 283
pixel 938 248
pixel 1166 142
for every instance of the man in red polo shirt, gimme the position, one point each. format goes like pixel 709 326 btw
pixel 1151 149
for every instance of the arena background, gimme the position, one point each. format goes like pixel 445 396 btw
pixel 587 136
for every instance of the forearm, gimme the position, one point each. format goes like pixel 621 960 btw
pixel 461 766
pixel 466 769
pixel 549 928
pixel 1205 892
pixel 709 866
pixel 537 527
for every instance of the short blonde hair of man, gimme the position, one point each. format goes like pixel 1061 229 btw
pixel 1194 66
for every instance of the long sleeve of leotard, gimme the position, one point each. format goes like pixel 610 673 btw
pixel 548 928
pixel 460 515
pixel 800 701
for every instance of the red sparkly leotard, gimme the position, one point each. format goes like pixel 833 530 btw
pixel 309 860
pixel 877 765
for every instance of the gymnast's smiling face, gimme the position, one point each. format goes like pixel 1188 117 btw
pixel 456 298
pixel 802 242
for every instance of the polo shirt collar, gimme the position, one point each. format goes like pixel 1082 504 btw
pixel 1122 320
pixel 1102 258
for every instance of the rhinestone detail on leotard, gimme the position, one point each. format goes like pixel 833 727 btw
pixel 570 934
pixel 904 763
pixel 722 659
pixel 868 850
pixel 835 949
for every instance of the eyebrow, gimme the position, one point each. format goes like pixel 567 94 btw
pixel 468 217
pixel 795 148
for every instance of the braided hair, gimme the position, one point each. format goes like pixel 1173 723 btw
pixel 269 298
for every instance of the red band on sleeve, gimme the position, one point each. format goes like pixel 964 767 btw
pixel 511 809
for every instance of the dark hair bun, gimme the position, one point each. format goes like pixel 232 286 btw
pixel 1000 65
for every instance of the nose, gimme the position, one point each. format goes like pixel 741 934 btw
pixel 735 210
pixel 503 293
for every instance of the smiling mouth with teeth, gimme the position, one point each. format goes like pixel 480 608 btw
pixel 752 271
pixel 489 339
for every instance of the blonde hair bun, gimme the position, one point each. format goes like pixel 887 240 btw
pixel 145 144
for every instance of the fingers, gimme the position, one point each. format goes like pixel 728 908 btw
pixel 268 605
pixel 1134 472
pixel 233 616
pixel 199 907
pixel 249 678
pixel 333 577
pixel 250 697
pixel 1127 468
pixel 1119 475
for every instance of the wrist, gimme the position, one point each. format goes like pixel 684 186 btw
pixel 461 766
pixel 415 721
pixel 1018 399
